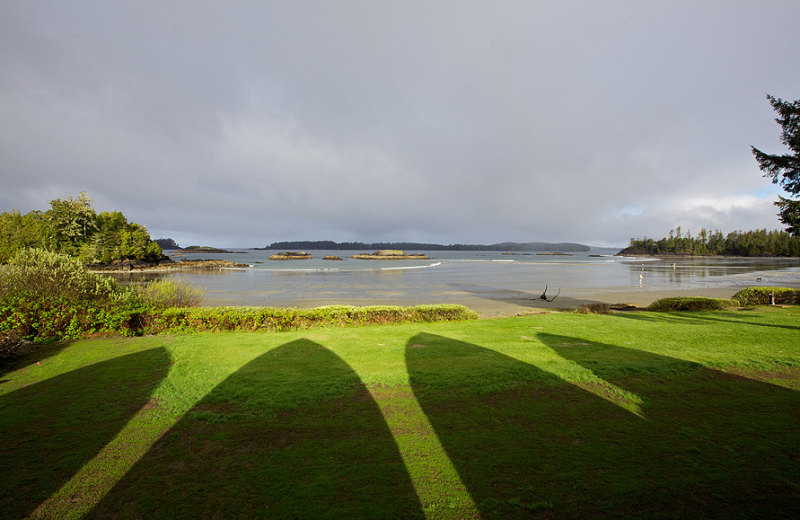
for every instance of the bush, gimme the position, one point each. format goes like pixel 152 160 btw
pixel 10 344
pixel 692 304
pixel 46 295
pixel 170 292
pixel 40 273
pixel 764 296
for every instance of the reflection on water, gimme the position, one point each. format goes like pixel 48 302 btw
pixel 458 275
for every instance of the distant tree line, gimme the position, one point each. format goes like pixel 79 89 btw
pixel 416 246
pixel 71 226
pixel 737 243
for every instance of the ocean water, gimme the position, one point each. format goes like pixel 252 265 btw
pixel 472 278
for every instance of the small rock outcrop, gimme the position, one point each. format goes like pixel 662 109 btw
pixel 391 254
pixel 291 255
pixel 331 257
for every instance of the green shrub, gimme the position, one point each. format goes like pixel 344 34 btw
pixel 692 304
pixel 42 273
pixel 10 344
pixel 764 296
pixel 169 292
pixel 46 295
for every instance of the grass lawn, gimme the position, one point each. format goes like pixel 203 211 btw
pixel 631 415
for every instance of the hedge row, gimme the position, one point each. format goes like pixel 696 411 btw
pixel 767 296
pixel 213 319
pixel 744 298
pixel 692 304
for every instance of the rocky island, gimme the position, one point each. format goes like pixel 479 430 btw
pixel 162 264
pixel 291 255
pixel 391 254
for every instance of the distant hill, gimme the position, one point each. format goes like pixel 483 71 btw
pixel 416 246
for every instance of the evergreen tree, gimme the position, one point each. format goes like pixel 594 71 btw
pixel 785 169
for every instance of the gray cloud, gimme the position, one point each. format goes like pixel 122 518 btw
pixel 242 123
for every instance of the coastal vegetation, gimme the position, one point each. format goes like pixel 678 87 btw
pixel 416 246
pixel 557 415
pixel 71 226
pixel 737 243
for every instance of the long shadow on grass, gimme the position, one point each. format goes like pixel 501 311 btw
pixel 292 434
pixel 40 353
pixel 697 318
pixel 523 440
pixel 50 429
pixel 725 446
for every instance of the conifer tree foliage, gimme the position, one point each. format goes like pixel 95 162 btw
pixel 785 169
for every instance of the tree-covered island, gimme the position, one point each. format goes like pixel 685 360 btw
pixel 737 243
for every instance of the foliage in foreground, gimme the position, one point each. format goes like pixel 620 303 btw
pixel 169 292
pixel 47 295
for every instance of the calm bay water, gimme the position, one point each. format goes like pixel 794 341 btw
pixel 476 279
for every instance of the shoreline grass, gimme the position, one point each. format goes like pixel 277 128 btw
pixel 657 415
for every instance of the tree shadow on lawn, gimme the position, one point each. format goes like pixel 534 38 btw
pixel 697 318
pixel 733 441
pixel 292 434
pixel 524 440
pixel 49 430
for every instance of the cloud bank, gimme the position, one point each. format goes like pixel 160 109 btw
pixel 243 123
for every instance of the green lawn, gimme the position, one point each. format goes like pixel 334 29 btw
pixel 631 415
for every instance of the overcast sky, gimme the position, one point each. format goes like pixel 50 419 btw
pixel 243 123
